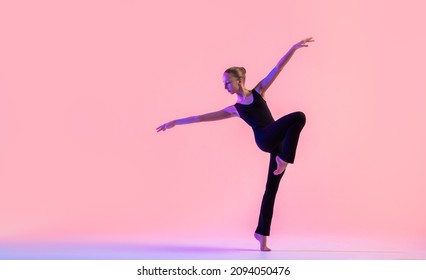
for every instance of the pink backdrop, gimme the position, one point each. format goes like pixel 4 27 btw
pixel 84 84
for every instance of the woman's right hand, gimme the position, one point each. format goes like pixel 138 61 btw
pixel 165 126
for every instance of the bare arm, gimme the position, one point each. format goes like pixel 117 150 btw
pixel 263 85
pixel 228 112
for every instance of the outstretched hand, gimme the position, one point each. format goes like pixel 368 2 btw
pixel 165 126
pixel 303 43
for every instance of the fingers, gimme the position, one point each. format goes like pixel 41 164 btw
pixel 303 43
pixel 307 40
pixel 161 128
pixel 164 127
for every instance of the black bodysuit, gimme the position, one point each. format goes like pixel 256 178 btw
pixel 278 137
pixel 256 114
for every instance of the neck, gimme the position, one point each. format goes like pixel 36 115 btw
pixel 243 92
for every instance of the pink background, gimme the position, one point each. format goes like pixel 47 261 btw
pixel 84 84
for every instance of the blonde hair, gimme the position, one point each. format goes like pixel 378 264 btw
pixel 238 72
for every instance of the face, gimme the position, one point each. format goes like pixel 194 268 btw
pixel 231 83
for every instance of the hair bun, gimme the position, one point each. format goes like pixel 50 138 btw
pixel 238 72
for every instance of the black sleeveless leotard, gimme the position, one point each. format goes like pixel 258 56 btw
pixel 256 114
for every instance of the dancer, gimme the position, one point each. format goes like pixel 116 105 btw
pixel 279 138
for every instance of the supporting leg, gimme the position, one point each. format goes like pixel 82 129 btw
pixel 267 207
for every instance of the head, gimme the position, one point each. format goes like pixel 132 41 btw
pixel 234 79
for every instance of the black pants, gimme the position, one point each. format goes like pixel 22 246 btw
pixel 279 138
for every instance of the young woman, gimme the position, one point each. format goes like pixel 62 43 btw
pixel 279 138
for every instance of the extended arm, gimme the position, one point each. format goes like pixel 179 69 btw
pixel 263 85
pixel 228 112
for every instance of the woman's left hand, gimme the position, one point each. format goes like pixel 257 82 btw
pixel 303 43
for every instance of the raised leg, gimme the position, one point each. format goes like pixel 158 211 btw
pixel 281 165
pixel 283 134
pixel 291 138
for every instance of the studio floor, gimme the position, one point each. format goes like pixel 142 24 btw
pixel 208 249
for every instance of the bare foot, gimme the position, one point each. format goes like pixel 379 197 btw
pixel 262 241
pixel 281 165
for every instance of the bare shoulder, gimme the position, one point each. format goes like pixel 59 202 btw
pixel 232 111
pixel 258 88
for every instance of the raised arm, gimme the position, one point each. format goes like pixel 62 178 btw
pixel 263 85
pixel 228 112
